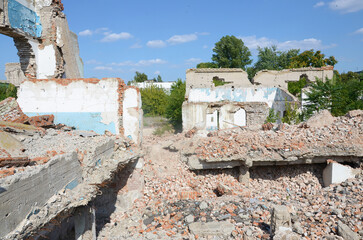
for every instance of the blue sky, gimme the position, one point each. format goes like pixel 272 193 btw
pixel 166 37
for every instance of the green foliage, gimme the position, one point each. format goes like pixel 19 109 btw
pixel 295 87
pixel 310 58
pixel 207 65
pixel 230 52
pixel 338 97
pixel 174 107
pixel 251 71
pixel 158 79
pixel 167 128
pixel 291 114
pixel 272 116
pixel 271 59
pixel 140 77
pixel 350 76
pixel 217 82
pixel 154 101
pixel 7 90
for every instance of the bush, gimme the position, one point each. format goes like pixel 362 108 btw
pixel 7 90
pixel 154 101
pixel 174 107
pixel 272 116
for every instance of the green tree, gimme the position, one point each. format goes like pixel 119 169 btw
pixel 272 116
pixel 154 101
pixel 310 58
pixel 271 59
pixel 158 79
pixel 291 114
pixel 296 87
pixel 207 65
pixel 140 77
pixel 230 52
pixel 338 97
pixel 7 90
pixel 174 107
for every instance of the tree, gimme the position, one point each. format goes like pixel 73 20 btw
pixel 140 77
pixel 291 114
pixel 310 58
pixel 271 59
pixel 7 90
pixel 230 52
pixel 296 87
pixel 174 107
pixel 207 65
pixel 158 79
pixel 154 101
pixel 338 97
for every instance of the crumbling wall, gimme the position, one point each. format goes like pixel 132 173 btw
pixel 223 115
pixel 43 39
pixel 14 74
pixel 132 114
pixel 22 195
pixel 87 104
pixel 203 78
pixel 271 78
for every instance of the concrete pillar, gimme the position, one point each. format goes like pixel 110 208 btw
pixel 244 175
pixel 85 223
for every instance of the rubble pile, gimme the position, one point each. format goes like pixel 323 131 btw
pixel 304 143
pixel 182 204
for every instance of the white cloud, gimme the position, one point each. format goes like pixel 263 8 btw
pixel 157 72
pixel 359 31
pixel 205 46
pixel 93 61
pixel 103 68
pixel 177 39
pixel 136 45
pixel 319 4
pixel 311 43
pixel 141 62
pixel 193 60
pixel 112 37
pixel 86 32
pixel 346 6
pixel 156 44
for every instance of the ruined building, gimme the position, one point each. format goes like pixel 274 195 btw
pixel 46 46
pixel 238 101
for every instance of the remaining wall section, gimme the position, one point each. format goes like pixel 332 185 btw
pixel 268 78
pixel 132 114
pixel 86 104
pixel 203 77
pixel 22 194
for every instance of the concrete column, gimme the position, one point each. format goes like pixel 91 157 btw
pixel 244 175
pixel 85 223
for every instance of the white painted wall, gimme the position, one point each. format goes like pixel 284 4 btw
pixel 45 60
pixel 78 99
pixel 212 121
pixel 131 115
pixel 337 173
pixel 240 117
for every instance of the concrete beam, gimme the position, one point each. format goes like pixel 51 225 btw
pixel 85 223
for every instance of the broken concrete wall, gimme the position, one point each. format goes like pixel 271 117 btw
pixel 46 46
pixel 87 104
pixel 247 106
pixel 271 78
pixel 132 114
pixel 22 194
pixel 223 115
pixel 203 78
pixel 14 74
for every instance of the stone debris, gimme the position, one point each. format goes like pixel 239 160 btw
pixel 182 204
pixel 342 139
pixel 280 218
pixel 346 232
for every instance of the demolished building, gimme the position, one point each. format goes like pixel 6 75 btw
pixel 46 47
pixel 236 101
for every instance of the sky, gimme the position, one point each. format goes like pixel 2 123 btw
pixel 163 37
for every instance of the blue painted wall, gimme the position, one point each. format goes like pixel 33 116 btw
pixel 82 121
pixel 23 18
